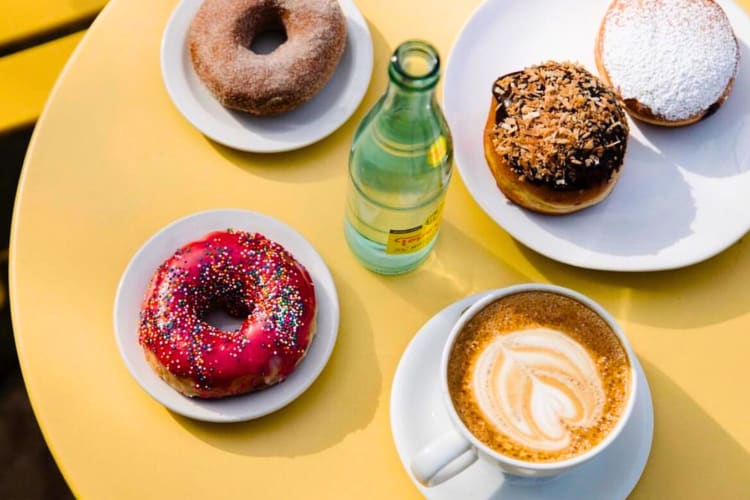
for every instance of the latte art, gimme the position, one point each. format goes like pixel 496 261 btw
pixel 535 385
pixel 538 376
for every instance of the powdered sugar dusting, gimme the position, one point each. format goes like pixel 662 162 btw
pixel 674 56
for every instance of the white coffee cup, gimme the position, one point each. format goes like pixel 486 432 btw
pixel 458 448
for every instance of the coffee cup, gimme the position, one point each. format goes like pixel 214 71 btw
pixel 536 379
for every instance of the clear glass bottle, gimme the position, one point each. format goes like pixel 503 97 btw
pixel 399 167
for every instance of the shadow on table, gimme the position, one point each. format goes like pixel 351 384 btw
pixel 453 272
pixel 343 400
pixel 309 164
pixel 692 455
pixel 314 163
pixel 704 294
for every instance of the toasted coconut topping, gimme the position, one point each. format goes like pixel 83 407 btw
pixel 557 124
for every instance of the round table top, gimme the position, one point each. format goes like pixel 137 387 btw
pixel 112 161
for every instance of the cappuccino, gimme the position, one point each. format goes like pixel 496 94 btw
pixel 539 377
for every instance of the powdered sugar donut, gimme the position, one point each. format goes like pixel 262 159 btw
pixel 673 62
pixel 223 31
pixel 252 278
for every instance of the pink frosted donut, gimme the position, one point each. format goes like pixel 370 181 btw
pixel 223 31
pixel 250 277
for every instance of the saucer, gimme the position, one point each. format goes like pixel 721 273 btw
pixel 162 245
pixel 308 123
pixel 418 416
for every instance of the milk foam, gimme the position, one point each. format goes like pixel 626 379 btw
pixel 534 385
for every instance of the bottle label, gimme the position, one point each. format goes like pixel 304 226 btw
pixel 437 151
pixel 404 241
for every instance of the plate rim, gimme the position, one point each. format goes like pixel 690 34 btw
pixel 620 264
pixel 322 279
pixel 176 83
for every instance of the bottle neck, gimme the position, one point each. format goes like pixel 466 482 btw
pixel 399 99
pixel 414 70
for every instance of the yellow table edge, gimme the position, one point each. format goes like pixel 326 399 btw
pixel 11 248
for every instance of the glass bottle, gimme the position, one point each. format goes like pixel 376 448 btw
pixel 399 167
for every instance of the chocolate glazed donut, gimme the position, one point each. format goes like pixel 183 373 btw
pixel 223 31
pixel 555 138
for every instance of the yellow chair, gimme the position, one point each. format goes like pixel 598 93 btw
pixel 36 39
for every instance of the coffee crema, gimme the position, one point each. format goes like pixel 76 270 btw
pixel 539 377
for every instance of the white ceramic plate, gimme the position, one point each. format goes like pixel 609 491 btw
pixel 307 124
pixel 162 245
pixel 418 416
pixel 683 194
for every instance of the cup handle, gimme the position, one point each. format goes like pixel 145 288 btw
pixel 442 459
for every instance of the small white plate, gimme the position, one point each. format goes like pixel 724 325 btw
pixel 307 124
pixel 418 416
pixel 682 196
pixel 162 245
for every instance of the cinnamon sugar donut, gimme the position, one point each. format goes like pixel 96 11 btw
pixel 673 62
pixel 249 276
pixel 223 31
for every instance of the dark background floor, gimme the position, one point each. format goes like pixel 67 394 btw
pixel 27 470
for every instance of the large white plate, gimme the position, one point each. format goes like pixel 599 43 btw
pixel 683 194
pixel 309 123
pixel 418 416
pixel 162 245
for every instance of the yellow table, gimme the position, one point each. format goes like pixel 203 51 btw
pixel 112 161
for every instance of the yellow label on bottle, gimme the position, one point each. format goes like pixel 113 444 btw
pixel 437 151
pixel 405 241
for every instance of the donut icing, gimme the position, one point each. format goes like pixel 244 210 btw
pixel 220 40
pixel 555 137
pixel 250 277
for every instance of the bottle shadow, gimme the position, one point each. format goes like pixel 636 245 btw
pixel 692 455
pixel 343 399
pixel 708 293
pixel 452 272
pixel 318 161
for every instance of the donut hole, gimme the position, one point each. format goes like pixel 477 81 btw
pixel 227 313
pixel 262 30
pixel 268 41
